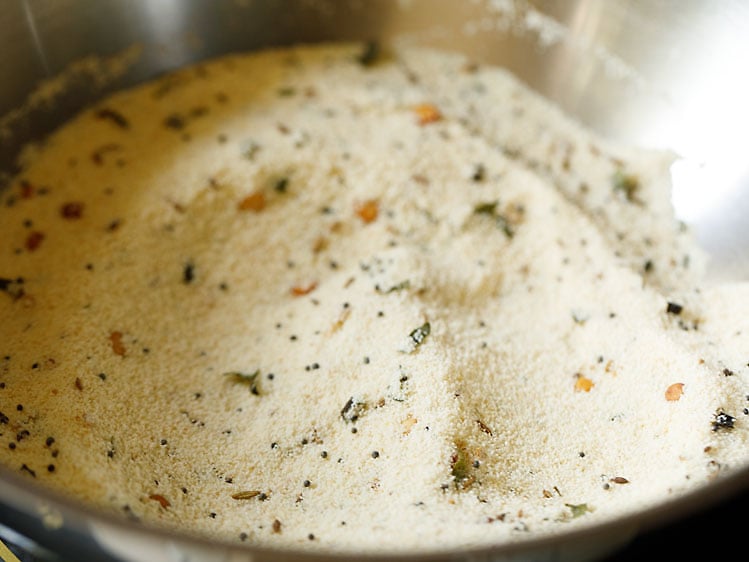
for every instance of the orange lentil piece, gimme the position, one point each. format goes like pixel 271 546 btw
pixel 246 495
pixel 253 202
pixel 161 499
pixel 117 346
pixel 408 424
pixel 27 190
pixel 301 290
pixel 368 210
pixel 72 210
pixel 33 240
pixel 674 391
pixel 427 113
pixel 338 324
pixel 583 384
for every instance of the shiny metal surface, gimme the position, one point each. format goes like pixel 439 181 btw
pixel 662 73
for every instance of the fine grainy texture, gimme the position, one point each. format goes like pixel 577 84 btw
pixel 310 297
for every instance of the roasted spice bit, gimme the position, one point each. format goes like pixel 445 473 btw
pixel 479 173
pixel 320 245
pixel 484 427
pixel 177 206
pixel 97 156
pixel 427 113
pixel 619 480
pixel 583 384
pixel 368 210
pixel 114 116
pixel 253 202
pixel 470 67
pixel 353 409
pixel 281 185
pixel 728 372
pixel 12 287
pixel 188 273
pixel 246 495
pixel 78 383
pixel 674 308
pixel 199 111
pixel 117 346
pixel 674 391
pixel 174 121
pixel 276 526
pixel 72 210
pixel 251 379
pixel 403 285
pixel 369 54
pixel 421 179
pixel 25 468
pixel 420 334
pixel 723 421
pixel 33 240
pixel 27 189
pixel 111 448
pixel 301 290
pixel 161 499
pixel 249 149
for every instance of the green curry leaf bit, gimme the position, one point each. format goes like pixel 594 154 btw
pixel 460 466
pixel 353 409
pixel 420 334
pixel 402 286
pixel 286 92
pixel 490 209
pixel 628 184
pixel 251 379
pixel 578 510
pixel 486 208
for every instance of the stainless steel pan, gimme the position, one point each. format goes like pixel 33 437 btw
pixel 666 73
